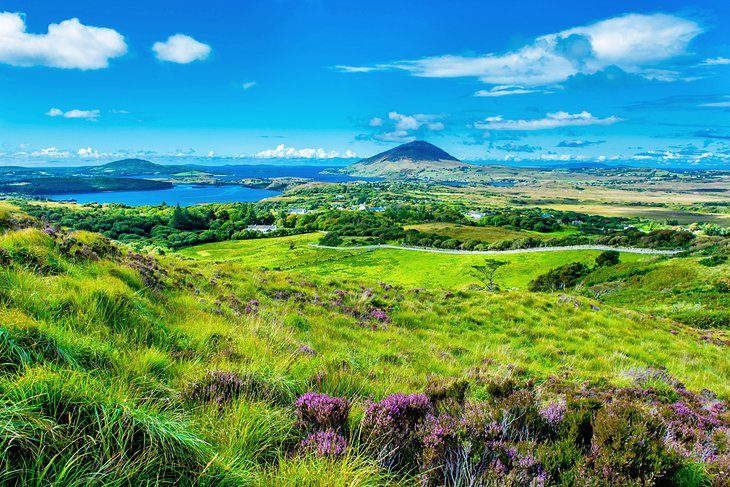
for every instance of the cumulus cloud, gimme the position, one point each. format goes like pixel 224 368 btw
pixel 181 49
pixel 51 152
pixel 88 152
pixel 91 115
pixel 505 90
pixel 283 152
pixel 248 84
pixel 572 144
pixel 551 121
pixel 398 127
pixel 69 44
pixel 633 42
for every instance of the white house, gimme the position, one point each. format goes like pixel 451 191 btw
pixel 262 228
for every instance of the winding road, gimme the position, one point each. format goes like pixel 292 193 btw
pixel 630 250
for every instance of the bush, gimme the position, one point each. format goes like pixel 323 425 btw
pixel 559 278
pixel 713 261
pixel 608 258
pixel 222 388
pixel 389 428
pixel 627 446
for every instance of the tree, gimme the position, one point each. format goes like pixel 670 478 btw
pixel 608 258
pixel 485 272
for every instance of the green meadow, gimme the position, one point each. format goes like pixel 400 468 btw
pixel 404 267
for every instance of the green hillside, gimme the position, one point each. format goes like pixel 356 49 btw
pixel 120 368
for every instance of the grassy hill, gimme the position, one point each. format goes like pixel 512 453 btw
pixel 119 368
pixel 403 267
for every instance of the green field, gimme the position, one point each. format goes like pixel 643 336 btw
pixel 403 267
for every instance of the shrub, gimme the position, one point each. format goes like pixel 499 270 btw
pixel 222 387
pixel 318 412
pixel 389 428
pixel 559 278
pixel 713 261
pixel 627 446
pixel 608 258
pixel 326 443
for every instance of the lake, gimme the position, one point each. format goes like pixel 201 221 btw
pixel 188 194
pixel 182 194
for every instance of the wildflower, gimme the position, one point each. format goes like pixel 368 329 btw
pixel 320 411
pixel 325 443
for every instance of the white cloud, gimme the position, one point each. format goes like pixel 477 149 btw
pixel 181 49
pixel 248 84
pixel 69 44
pixel 719 104
pixel 51 152
pixel 376 122
pixel 91 115
pixel 283 152
pixel 717 61
pixel 551 121
pixel 356 69
pixel 88 152
pixel 404 128
pixel 505 90
pixel 633 42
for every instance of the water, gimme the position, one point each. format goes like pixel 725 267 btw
pixel 182 194
pixel 187 194
pixel 278 171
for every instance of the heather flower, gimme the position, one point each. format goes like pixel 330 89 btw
pixel 441 456
pixel 553 413
pixel 379 315
pixel 390 427
pixel 306 350
pixel 252 307
pixel 325 443
pixel 320 411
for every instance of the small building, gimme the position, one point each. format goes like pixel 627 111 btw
pixel 297 211
pixel 377 209
pixel 475 215
pixel 262 228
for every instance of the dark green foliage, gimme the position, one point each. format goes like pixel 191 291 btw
pixel 331 239
pixel 713 261
pixel 608 258
pixel 562 277
pixel 627 446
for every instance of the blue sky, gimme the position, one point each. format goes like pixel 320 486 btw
pixel 626 82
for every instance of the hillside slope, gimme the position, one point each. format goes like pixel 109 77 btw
pixel 122 368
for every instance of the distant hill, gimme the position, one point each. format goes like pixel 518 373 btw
pixel 71 184
pixel 414 160
pixel 134 167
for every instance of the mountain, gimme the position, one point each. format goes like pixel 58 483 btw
pixel 414 160
pixel 417 151
pixel 134 167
